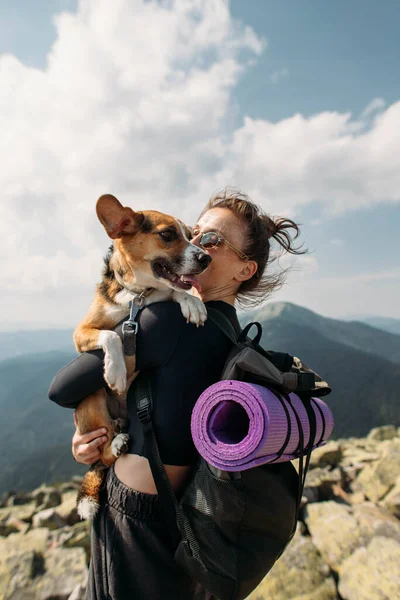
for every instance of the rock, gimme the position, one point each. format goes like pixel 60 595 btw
pixel 329 455
pixel 386 432
pixel 72 537
pixel 16 573
pixel 391 501
pixel 65 569
pixel 79 593
pixel 77 479
pixel 13 525
pixel 377 479
pixel 48 518
pixel 47 497
pixel 5 498
pixel 372 573
pixel 22 513
pixel 67 508
pixel 320 483
pixel 338 530
pixel 68 486
pixel 300 573
pixel 376 521
pixel 35 540
pixel 79 536
pixel 18 499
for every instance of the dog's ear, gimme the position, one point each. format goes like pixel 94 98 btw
pixel 117 220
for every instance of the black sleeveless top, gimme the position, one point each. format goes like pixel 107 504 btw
pixel 184 360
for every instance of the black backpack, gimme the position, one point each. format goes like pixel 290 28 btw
pixel 231 527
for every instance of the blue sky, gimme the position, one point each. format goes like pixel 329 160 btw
pixel 310 58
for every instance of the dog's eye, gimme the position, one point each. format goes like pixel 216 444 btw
pixel 169 235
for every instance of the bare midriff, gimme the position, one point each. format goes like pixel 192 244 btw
pixel 135 472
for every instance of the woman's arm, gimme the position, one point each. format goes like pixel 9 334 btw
pixel 79 378
pixel 158 323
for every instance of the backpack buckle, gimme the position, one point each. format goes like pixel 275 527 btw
pixel 143 410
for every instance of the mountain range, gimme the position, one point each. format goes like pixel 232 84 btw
pixel 360 362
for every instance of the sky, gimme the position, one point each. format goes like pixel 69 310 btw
pixel 162 103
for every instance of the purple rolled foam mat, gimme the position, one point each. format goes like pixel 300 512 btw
pixel 237 425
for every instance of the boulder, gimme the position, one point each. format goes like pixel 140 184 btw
pixel 77 536
pixel 67 508
pixel 377 479
pixel 16 573
pixel 299 574
pixel 372 572
pixel 320 483
pixel 65 569
pixel 329 455
pixel 79 593
pixel 338 530
pixel 23 513
pixel 13 525
pixel 47 497
pixel 48 518
pixel 16 499
pixel 35 540
pixel 391 501
pixel 386 432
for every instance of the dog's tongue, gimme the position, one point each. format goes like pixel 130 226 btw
pixel 192 279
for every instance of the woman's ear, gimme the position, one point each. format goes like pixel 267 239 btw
pixel 249 268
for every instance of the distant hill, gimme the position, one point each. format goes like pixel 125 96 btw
pixel 385 323
pixel 354 334
pixel 17 343
pixel 364 387
pixel 35 434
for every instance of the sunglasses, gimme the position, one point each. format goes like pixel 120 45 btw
pixel 211 239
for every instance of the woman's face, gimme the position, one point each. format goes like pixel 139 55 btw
pixel 226 270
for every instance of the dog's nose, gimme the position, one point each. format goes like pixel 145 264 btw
pixel 204 259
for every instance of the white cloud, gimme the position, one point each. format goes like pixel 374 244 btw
pixel 374 106
pixel 277 76
pixel 135 100
pixel 337 242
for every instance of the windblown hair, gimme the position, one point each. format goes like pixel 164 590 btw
pixel 261 232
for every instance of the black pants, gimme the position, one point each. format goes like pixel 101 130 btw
pixel 132 554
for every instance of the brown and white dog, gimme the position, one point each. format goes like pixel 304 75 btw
pixel 151 254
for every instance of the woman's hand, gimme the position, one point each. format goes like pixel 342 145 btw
pixel 86 446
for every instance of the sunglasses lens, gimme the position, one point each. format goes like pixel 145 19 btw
pixel 209 240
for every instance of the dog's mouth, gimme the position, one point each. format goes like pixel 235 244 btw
pixel 163 270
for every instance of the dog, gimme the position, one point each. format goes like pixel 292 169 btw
pixel 151 257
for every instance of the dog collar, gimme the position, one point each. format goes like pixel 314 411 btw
pixel 138 298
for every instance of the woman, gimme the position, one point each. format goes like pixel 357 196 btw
pixel 132 554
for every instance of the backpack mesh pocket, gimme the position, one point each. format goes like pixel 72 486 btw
pixel 214 508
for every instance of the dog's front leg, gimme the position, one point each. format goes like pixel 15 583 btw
pixel 192 307
pixel 89 338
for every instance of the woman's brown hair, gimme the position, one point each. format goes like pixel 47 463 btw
pixel 260 231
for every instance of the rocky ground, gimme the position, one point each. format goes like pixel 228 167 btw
pixel 347 545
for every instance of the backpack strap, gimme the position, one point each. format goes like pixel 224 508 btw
pixel 177 525
pixel 223 323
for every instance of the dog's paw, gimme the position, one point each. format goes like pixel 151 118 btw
pixel 192 308
pixel 120 444
pixel 115 376
pixel 114 362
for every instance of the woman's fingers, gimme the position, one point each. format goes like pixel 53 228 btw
pixel 86 446
pixel 87 438
pixel 92 458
